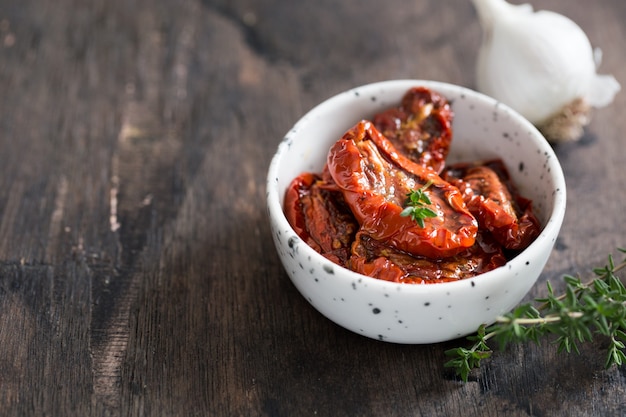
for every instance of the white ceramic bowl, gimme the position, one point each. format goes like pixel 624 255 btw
pixel 413 313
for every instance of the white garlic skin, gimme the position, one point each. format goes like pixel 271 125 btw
pixel 538 63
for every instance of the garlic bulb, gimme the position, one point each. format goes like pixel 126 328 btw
pixel 542 65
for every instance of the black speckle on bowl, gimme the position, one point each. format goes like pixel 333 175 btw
pixel 293 241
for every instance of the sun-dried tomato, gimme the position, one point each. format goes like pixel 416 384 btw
pixel 375 180
pixel 420 127
pixel 374 258
pixel 319 215
pixel 494 200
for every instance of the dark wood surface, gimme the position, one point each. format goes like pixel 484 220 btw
pixel 137 272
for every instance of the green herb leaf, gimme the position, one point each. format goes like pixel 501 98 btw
pixel 416 205
pixel 584 310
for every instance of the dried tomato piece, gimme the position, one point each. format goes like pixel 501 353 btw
pixel 376 259
pixel 420 127
pixel 493 199
pixel 375 180
pixel 318 214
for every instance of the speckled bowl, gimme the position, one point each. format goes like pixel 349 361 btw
pixel 411 313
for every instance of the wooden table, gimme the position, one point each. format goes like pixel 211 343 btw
pixel 137 272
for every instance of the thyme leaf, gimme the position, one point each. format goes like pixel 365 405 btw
pixel 416 205
pixel 585 310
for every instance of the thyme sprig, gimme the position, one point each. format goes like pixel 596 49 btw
pixel 416 205
pixel 584 310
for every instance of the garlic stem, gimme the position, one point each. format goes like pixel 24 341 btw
pixel 490 10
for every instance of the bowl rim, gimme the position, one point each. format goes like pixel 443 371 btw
pixel 550 229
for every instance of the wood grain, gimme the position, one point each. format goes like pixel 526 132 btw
pixel 137 275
